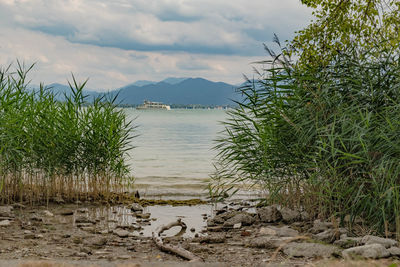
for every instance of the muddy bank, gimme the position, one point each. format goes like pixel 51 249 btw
pixel 236 234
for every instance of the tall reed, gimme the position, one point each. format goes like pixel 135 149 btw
pixel 322 138
pixel 72 149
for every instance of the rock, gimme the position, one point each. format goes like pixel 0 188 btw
pixel 143 215
pixel 6 211
pixel 5 223
pixel 237 225
pixel 386 242
pixel 96 242
pixel 319 226
pixel 135 207
pixel 84 219
pixel 347 242
pixel 268 242
pixel 121 232
pixel 394 251
pixel 192 230
pixel 82 210
pixel 330 235
pixel 289 215
pixel 372 251
pixel 305 216
pixel 284 231
pixel 243 218
pixel 29 236
pixel 221 218
pixel 213 239
pixel 67 212
pixel 269 214
pixel 310 250
pixel 48 213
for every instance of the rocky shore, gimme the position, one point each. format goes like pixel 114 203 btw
pixel 234 235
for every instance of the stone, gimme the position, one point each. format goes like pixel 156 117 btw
pixel 289 215
pixel 48 213
pixel 96 242
pixel 330 235
pixel 347 242
pixel 268 242
pixel 143 215
pixel 269 214
pixel 237 225
pixel 386 242
pixel 5 223
pixel 84 219
pixel 394 251
pixel 372 251
pixel 6 211
pixel 320 226
pixel 221 218
pixel 135 207
pixel 67 212
pixel 284 231
pixel 121 232
pixel 213 239
pixel 304 216
pixel 310 250
pixel 243 218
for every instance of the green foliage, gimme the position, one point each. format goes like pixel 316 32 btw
pixel 341 24
pixel 48 148
pixel 323 138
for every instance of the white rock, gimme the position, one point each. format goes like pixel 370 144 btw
pixel 394 251
pixel 5 223
pixel 386 242
pixel 237 225
pixel 48 213
pixel 372 251
pixel 310 250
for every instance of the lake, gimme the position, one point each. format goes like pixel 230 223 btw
pixel 173 153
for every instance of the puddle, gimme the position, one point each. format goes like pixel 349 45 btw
pixel 109 218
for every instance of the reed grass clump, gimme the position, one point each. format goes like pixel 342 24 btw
pixel 74 149
pixel 320 138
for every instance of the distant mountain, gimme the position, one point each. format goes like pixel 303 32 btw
pixel 188 91
pixel 179 91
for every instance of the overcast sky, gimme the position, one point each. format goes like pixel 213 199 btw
pixel 114 43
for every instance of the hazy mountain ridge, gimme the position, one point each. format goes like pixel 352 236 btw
pixel 181 91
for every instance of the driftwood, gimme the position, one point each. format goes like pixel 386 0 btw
pixel 173 249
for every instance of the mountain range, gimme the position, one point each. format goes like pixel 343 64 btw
pixel 178 91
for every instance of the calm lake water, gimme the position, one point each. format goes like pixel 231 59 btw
pixel 173 155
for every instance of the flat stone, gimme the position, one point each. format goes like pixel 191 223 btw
pixel 84 219
pixel 243 218
pixel 330 235
pixel 347 242
pixel 320 226
pixel 269 214
pixel 372 251
pixel 237 226
pixel 221 218
pixel 135 207
pixel 48 213
pixel 5 223
pixel 143 215
pixel 386 242
pixel 67 212
pixel 121 232
pixel 269 242
pixel 310 250
pixel 289 215
pixel 284 231
pixel 394 251
pixel 213 239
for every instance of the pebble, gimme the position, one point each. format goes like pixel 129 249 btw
pixel 5 223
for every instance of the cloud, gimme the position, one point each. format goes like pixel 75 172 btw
pixel 201 26
pixel 118 42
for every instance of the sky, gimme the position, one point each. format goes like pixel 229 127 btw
pixel 115 43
